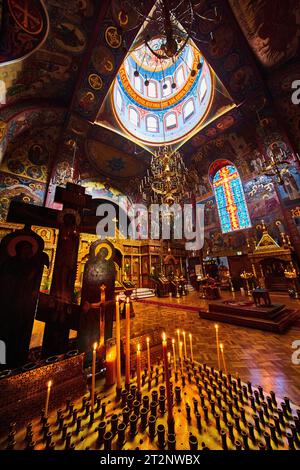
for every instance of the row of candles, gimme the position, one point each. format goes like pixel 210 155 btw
pixel 115 361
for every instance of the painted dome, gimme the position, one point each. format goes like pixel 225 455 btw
pixel 161 101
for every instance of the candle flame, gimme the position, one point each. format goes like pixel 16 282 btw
pixel 95 346
pixel 117 298
pixel 173 341
pixel 181 343
pixel 221 346
pixel 178 331
pixel 148 340
pixel 138 347
pixel 216 326
pixel 190 335
pixel 127 300
pixel 49 384
pixel 183 332
pixel 164 336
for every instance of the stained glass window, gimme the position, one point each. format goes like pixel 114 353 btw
pixel 231 203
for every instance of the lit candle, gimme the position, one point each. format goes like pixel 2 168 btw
pixel 174 355
pixel 93 375
pixel 102 296
pixel 180 355
pixel 49 385
pixel 178 339
pixel 191 347
pixel 138 367
pixel 127 342
pixel 148 356
pixel 118 343
pixel 217 341
pixel 102 320
pixel 167 378
pixel 184 345
pixel 111 356
pixel 223 357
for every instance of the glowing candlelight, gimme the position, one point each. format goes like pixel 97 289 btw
pixel 174 355
pixel 191 347
pixel 111 356
pixel 93 375
pixel 167 378
pixel 148 356
pixel 184 345
pixel 178 338
pixel 118 343
pixel 127 342
pixel 138 367
pixel 218 348
pixel 180 355
pixel 49 385
pixel 102 319
pixel 223 357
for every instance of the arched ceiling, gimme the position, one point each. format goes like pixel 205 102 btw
pixel 67 68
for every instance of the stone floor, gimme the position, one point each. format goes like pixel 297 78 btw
pixel 264 358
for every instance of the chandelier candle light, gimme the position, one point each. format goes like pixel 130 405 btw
pixel 165 182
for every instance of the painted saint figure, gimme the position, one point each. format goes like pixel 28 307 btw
pixel 22 261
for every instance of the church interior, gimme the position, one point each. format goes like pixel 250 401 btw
pixel 149 225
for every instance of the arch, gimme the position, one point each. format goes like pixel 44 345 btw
pixel 119 100
pixel 168 91
pixel 138 83
pixel 152 89
pixel 134 116
pixel 180 76
pixel 152 123
pixel 188 109
pixel 170 121
pixel 230 197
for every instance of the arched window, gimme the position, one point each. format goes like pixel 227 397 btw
pixel 188 109
pixel 170 121
pixel 152 123
pixel 138 83
pixel 134 117
pixel 179 76
pixel 166 87
pixel 119 100
pixel 230 198
pixel 152 89
pixel 203 89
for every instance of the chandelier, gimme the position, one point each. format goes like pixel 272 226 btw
pixel 174 21
pixel 165 182
pixel 277 167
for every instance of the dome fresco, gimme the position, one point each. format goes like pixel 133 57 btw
pixel 158 101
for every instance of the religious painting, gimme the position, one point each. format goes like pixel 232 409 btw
pixel 289 191
pixel 24 28
pixel 19 189
pixel 271 28
pixel 262 199
pixel 112 163
pixel 32 158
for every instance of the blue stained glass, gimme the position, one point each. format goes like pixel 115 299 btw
pixel 230 198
